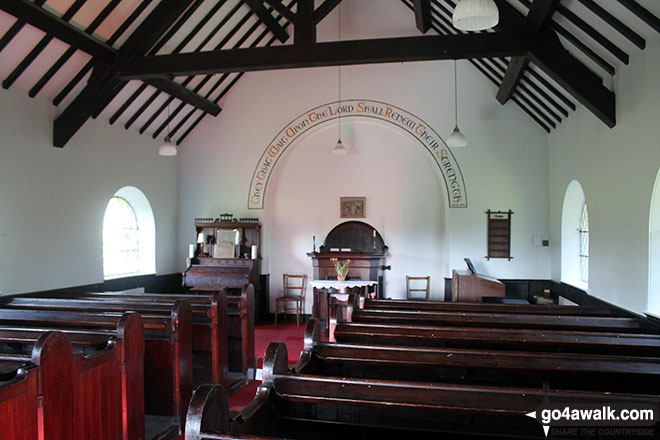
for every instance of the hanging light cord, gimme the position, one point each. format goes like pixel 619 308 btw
pixel 455 97
pixel 339 74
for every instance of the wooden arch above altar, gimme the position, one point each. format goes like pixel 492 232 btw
pixel 357 241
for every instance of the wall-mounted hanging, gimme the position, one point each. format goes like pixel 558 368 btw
pixel 499 234
pixel 353 207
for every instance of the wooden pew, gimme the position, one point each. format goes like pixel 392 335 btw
pixel 209 343
pixel 79 390
pixel 167 357
pixel 242 362
pixel 459 365
pixel 498 339
pixel 290 404
pixel 523 309
pixel 501 320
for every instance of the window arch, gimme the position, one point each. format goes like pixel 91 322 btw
pixel 575 237
pixel 584 244
pixel 128 235
pixel 654 250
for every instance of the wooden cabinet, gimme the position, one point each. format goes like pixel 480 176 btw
pixel 217 236
pixel 210 267
pixel 359 242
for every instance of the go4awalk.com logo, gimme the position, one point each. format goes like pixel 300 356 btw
pixel 584 419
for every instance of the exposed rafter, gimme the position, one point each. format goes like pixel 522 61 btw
pixel 539 14
pixel 304 26
pixel 382 50
pixel 42 19
pixel 266 17
pixel 562 67
pixel 423 15
pixel 102 86
pixel 322 11
pixel 98 93
pixel 279 7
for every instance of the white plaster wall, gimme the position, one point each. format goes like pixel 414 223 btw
pixel 617 170
pixel 505 165
pixel 405 202
pixel 52 200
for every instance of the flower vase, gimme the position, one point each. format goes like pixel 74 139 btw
pixel 341 278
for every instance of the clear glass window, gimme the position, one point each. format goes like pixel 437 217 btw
pixel 121 250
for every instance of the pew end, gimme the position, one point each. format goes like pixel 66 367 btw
pixel 312 337
pixel 336 317
pixel 208 412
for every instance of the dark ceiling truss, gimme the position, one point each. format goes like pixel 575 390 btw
pixel 207 78
pixel 178 48
pixel 90 64
pixel 548 56
pixel 102 85
pixel 642 13
pixel 423 15
pixel 39 47
pixel 72 50
pixel 524 56
pixel 232 33
pixel 442 24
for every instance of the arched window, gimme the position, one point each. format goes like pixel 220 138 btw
pixel 654 251
pixel 575 237
pixel 584 244
pixel 128 235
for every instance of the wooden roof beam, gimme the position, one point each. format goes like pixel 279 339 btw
pixel 279 7
pixel 267 18
pixel 304 26
pixel 423 15
pixel 103 84
pixel 383 50
pixel 556 62
pixel 322 11
pixel 539 14
pixel 35 15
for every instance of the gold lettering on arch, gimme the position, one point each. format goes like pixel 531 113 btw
pixel 409 123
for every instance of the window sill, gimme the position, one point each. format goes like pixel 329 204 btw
pixel 127 275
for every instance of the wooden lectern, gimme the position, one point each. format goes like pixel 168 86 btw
pixel 469 286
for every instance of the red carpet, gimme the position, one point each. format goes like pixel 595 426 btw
pixel 264 334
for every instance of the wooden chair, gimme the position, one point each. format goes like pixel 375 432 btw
pixel 294 292
pixel 426 289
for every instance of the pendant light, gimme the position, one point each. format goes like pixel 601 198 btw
pixel 339 147
pixel 475 15
pixel 167 148
pixel 456 138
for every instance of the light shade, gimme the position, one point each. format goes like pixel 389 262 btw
pixel 456 139
pixel 475 15
pixel 339 148
pixel 168 148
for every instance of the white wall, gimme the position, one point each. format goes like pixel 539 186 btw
pixel 52 200
pixel 505 164
pixel 617 170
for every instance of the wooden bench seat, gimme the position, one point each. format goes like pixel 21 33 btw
pixel 500 339
pixel 241 302
pixel 209 320
pixel 287 399
pixel 503 367
pixel 526 309
pixel 167 353
pixel 78 391
pixel 504 320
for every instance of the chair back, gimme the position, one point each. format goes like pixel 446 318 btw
pixel 294 285
pixel 417 281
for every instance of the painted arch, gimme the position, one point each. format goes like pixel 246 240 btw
pixel 363 108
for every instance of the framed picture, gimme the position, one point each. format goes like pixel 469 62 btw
pixel 352 207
